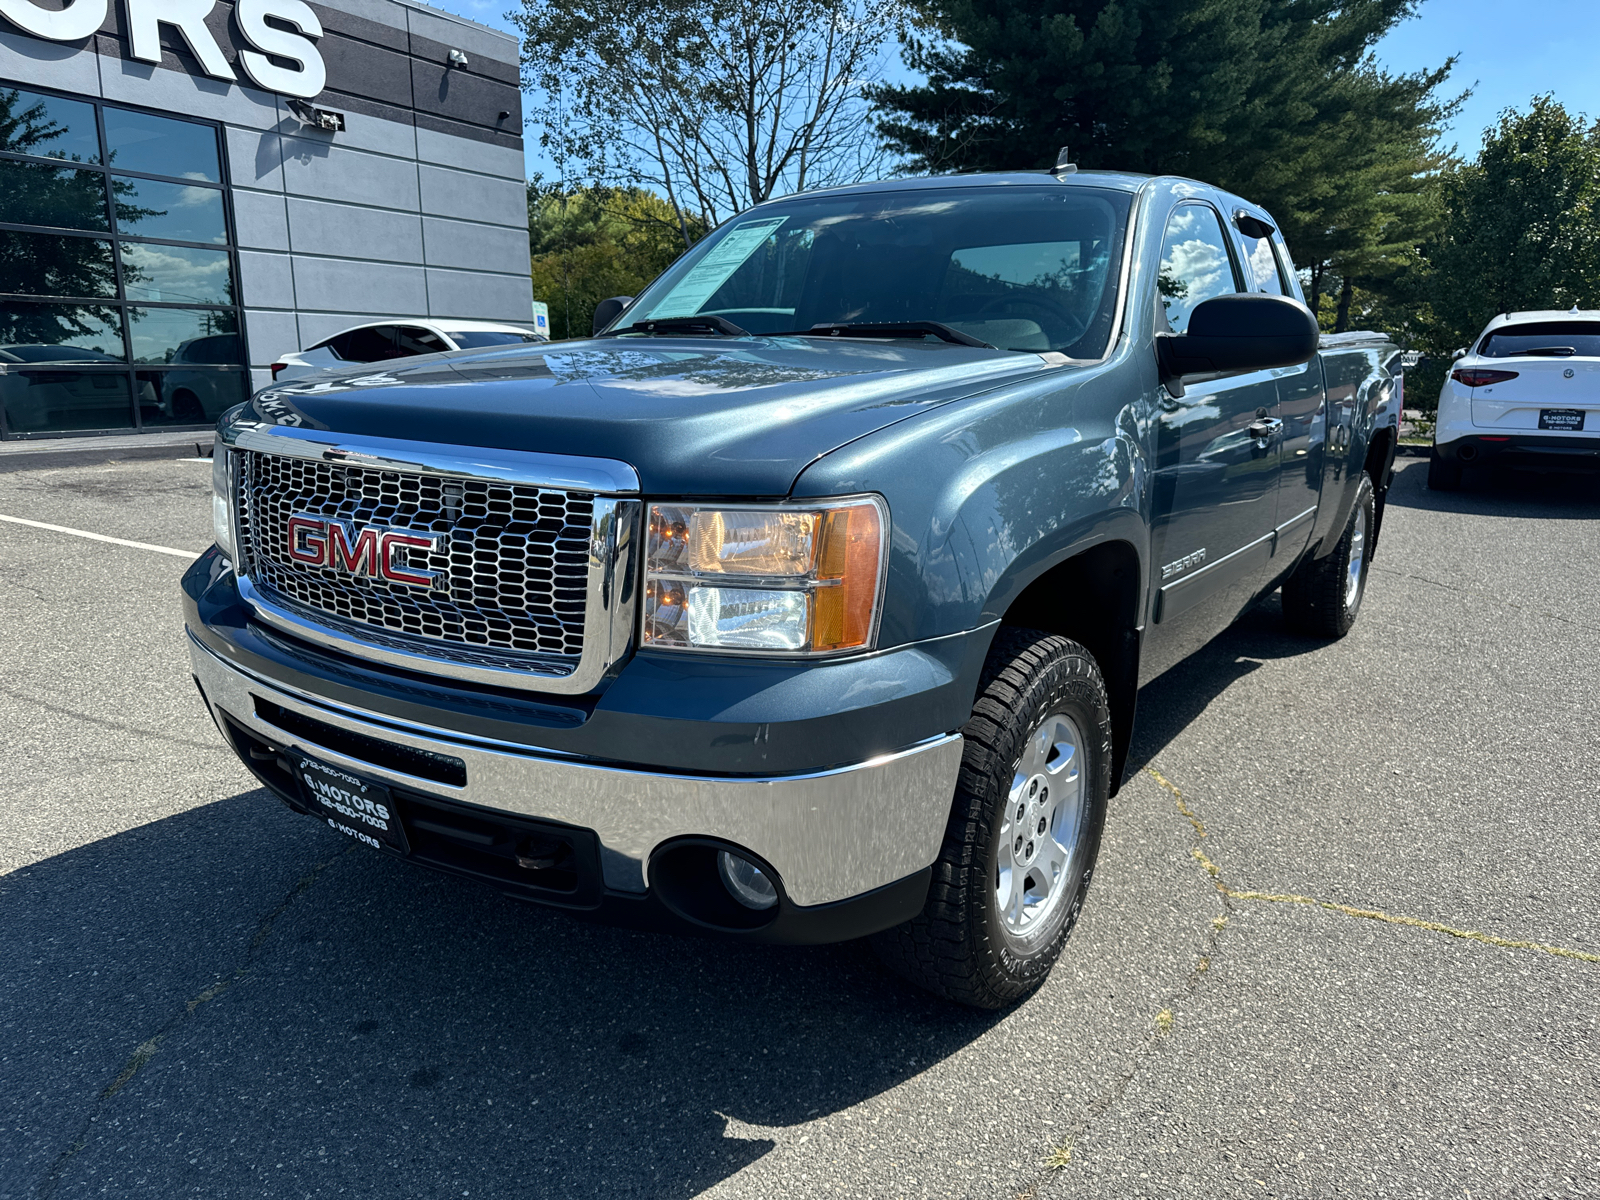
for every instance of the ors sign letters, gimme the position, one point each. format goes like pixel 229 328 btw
pixel 145 18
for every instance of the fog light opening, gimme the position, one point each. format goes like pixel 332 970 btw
pixel 745 881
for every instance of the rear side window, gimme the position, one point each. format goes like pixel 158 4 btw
pixel 413 339
pixel 1262 258
pixel 1195 264
pixel 1544 339
pixel 371 344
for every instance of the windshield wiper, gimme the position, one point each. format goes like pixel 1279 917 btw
pixel 889 329
pixel 1545 352
pixel 705 324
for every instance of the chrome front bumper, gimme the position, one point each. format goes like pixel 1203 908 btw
pixel 830 835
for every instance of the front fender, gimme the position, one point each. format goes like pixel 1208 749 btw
pixel 986 495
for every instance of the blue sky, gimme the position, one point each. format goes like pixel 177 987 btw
pixel 1507 54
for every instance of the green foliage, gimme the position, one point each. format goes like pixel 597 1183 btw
pixel 1276 100
pixel 591 243
pixel 1521 225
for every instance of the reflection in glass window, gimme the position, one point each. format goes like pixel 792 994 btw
pixel 176 274
pixel 47 126
pixel 161 146
pixel 197 397
pixel 34 333
pixel 65 197
pixel 476 339
pixel 56 264
pixel 410 339
pixel 1195 266
pixel 1264 266
pixel 41 398
pixel 159 334
pixel 182 212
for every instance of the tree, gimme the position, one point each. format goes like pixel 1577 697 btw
pixel 1520 226
pixel 717 104
pixel 1277 100
pixel 590 243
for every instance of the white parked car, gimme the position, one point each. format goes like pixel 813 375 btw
pixel 380 341
pixel 1526 393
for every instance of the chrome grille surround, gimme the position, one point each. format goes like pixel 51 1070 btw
pixel 536 563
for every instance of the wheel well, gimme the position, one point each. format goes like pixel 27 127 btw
pixel 1093 598
pixel 1380 465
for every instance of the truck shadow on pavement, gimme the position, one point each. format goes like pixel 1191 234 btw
pixel 233 1000
pixel 1499 492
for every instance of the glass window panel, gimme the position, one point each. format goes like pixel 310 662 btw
pixel 36 333
pixel 161 146
pixel 176 274
pixel 49 399
pixel 194 396
pixel 47 126
pixel 161 334
pixel 183 212
pixel 66 197
pixel 412 339
pixel 1195 266
pixel 56 264
pixel 1263 265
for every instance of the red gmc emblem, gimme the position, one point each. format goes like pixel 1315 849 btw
pixel 375 552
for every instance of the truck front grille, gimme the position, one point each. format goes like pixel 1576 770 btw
pixel 512 565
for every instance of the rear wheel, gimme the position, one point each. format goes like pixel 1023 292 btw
pixel 1024 830
pixel 1324 595
pixel 1444 475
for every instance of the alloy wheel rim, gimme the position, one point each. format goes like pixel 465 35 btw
pixel 1041 828
pixel 1358 555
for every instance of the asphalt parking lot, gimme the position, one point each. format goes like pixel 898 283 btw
pixel 1342 942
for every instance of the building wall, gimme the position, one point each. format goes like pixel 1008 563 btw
pixel 416 208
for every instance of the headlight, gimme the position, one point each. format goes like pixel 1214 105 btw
pixel 777 580
pixel 222 499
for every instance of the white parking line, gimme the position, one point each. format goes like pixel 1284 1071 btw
pixel 100 537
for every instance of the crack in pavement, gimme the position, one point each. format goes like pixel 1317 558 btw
pixel 106 723
pixel 1485 594
pixel 1161 1026
pixel 1369 914
pixel 1060 1156
pixel 146 1050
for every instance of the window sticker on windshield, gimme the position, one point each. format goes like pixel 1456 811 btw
pixel 714 270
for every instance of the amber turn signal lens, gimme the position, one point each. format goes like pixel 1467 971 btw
pixel 851 542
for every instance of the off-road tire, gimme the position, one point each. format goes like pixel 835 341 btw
pixel 1316 598
pixel 957 947
pixel 1444 475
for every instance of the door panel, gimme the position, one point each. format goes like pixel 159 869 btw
pixel 1218 460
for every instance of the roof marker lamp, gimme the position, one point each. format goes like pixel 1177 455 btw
pixel 782 580
pixel 222 499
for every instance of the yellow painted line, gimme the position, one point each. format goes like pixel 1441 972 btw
pixel 100 537
pixel 1366 914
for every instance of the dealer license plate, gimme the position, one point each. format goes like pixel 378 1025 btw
pixel 1568 420
pixel 356 807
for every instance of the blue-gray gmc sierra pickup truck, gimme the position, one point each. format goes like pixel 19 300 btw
pixel 811 598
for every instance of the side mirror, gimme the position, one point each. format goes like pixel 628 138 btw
pixel 609 310
pixel 1457 354
pixel 1229 335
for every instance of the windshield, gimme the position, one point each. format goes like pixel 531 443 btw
pixel 473 339
pixel 1021 268
pixel 1554 339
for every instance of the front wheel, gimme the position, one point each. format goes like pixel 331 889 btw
pixel 1024 831
pixel 1323 595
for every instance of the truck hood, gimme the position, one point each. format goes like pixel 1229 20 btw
pixel 691 415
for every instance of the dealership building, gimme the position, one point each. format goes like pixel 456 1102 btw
pixel 190 189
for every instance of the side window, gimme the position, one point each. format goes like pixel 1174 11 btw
pixel 1195 265
pixel 372 344
pixel 1267 271
pixel 416 340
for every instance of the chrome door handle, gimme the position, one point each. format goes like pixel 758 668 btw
pixel 1264 427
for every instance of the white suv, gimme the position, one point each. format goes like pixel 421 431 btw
pixel 381 341
pixel 1526 393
